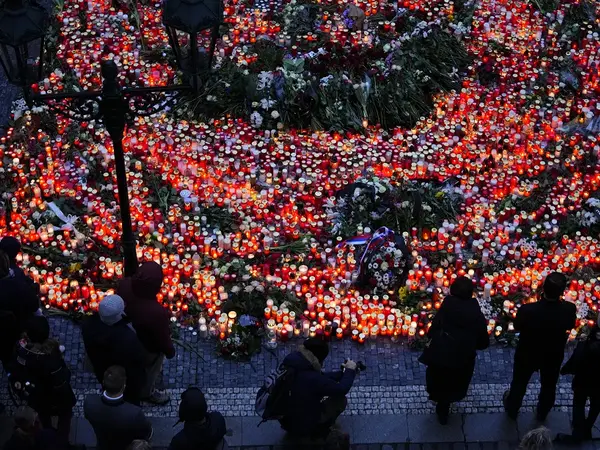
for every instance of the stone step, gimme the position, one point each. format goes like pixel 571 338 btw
pixel 383 432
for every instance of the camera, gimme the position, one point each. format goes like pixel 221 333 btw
pixel 360 366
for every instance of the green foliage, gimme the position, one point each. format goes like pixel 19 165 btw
pixel 241 344
pixel 392 87
pixel 398 207
pixel 545 6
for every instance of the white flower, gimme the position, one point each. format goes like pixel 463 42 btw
pixel 274 114
pixel 385 266
pixel 264 80
pixel 256 119
pixel 235 289
pixel 249 288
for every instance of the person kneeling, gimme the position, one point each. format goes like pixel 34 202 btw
pixel 308 414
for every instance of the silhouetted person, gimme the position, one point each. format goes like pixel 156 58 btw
pixel 110 340
pixel 40 376
pixel 116 422
pixel 201 429
pixel 28 433
pixel 152 323
pixel 12 247
pixel 17 304
pixel 308 414
pixel 458 330
pixel 584 364
pixel 544 327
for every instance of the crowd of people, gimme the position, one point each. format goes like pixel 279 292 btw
pixel 128 339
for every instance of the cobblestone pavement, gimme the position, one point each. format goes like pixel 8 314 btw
pixel 393 382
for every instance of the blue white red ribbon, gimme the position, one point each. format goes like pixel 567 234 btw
pixel 369 239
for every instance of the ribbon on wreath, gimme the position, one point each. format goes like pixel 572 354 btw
pixel 371 241
pixel 68 220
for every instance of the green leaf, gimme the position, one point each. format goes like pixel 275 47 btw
pixel 295 65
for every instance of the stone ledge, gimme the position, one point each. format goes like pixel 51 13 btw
pixel 377 430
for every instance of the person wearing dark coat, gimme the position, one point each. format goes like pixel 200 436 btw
pixel 116 422
pixel 28 433
pixel 18 303
pixel 308 414
pixel 544 327
pixel 40 363
pixel 152 323
pixel 584 364
pixel 202 429
pixel 110 340
pixel 458 330
pixel 12 247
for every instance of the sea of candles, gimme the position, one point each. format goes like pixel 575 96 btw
pixel 491 138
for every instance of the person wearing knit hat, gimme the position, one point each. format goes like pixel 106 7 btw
pixel 201 429
pixel 110 340
pixel 544 327
pixel 111 309
pixel 309 415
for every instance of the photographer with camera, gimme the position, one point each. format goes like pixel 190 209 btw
pixel 308 414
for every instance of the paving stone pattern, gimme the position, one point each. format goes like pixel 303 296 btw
pixel 393 382
pixel 388 364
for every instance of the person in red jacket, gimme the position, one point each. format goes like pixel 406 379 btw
pixel 151 322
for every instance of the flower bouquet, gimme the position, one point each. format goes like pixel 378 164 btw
pixel 241 344
pixel 383 265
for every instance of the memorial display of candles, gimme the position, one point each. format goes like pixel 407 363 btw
pixel 239 215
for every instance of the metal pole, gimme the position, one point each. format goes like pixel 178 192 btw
pixel 114 110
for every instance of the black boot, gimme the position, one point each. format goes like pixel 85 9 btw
pixel 567 439
pixel 443 411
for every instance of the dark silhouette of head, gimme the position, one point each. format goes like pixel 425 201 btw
pixel 37 329
pixel 554 286
pixel 114 381
pixel 193 407
pixel 462 288
pixel 11 246
pixel 318 347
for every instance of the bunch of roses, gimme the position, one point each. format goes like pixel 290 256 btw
pixel 386 267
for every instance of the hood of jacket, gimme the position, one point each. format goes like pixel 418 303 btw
pixel 302 360
pixel 147 281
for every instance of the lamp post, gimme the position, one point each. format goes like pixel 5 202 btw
pixel 23 22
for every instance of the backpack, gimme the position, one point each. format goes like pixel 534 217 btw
pixel 273 397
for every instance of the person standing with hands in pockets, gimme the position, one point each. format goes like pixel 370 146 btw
pixel 544 327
